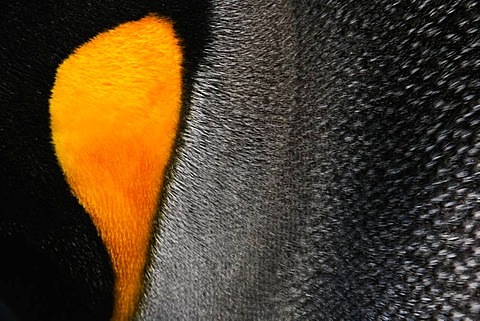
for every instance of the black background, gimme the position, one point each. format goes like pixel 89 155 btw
pixel 53 264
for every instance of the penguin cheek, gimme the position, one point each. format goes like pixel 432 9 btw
pixel 114 110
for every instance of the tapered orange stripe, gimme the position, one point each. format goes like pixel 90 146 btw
pixel 114 112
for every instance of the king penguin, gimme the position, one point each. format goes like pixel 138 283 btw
pixel 239 160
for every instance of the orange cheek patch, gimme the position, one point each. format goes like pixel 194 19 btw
pixel 115 110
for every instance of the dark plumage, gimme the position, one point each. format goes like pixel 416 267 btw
pixel 328 166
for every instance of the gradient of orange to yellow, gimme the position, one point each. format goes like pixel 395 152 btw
pixel 115 109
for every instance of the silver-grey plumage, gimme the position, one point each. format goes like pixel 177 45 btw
pixel 329 167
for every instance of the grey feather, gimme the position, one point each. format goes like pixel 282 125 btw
pixel 329 168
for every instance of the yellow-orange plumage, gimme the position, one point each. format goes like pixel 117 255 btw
pixel 115 110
